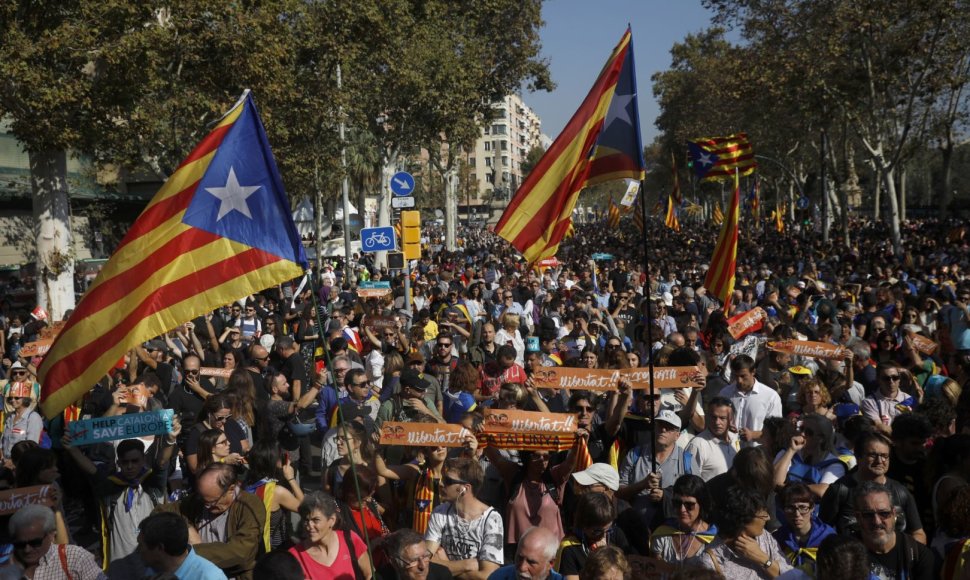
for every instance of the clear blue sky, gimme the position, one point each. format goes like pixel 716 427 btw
pixel 580 34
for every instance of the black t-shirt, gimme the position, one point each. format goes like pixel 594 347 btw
pixel 836 508
pixel 187 404
pixel 233 431
pixel 294 370
pixel 574 557
pixel 909 560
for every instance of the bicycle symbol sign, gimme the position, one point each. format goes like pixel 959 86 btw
pixel 377 239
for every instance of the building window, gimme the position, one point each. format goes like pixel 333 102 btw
pixel 488 162
pixel 499 129
pixel 505 145
pixel 490 177
pixel 505 160
pixel 488 145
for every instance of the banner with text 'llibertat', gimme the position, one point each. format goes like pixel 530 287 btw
pixel 607 379
pixel 89 431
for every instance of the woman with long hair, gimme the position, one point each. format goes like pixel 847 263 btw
pixel 509 334
pixel 37 466
pixel 814 398
pixel 214 448
pixel 328 550
pixel 216 413
pixel 241 395
pixel 274 476
pixel 353 446
pixel 21 421
pixel 307 335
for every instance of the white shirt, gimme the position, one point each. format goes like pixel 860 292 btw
pixel 711 456
pixel 752 408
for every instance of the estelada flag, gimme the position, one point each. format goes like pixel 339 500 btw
pixel 600 143
pixel 671 220
pixel 720 276
pixel 717 158
pixel 219 229
pixel 613 217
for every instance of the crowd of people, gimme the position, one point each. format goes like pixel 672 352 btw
pixel 777 465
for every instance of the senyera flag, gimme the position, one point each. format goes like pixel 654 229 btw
pixel 720 276
pixel 600 143
pixel 219 229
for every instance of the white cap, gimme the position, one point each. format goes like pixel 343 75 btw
pixel 602 473
pixel 668 416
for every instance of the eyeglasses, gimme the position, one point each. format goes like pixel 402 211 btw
pixel 448 480
pixel 582 409
pixel 876 456
pixel 892 378
pixel 209 504
pixel 363 384
pixel 444 345
pixel 611 345
pixel 219 418
pixel 872 515
pixel 19 372
pixel 687 505
pixel 344 438
pixel 800 508
pixel 341 370
pixel 35 543
pixel 426 557
pixel 192 371
pixel 15 399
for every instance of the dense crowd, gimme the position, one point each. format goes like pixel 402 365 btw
pixel 849 466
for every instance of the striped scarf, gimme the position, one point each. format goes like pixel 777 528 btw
pixel 423 501
pixel 132 486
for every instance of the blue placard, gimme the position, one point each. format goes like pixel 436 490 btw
pixel 402 184
pixel 88 431
pixel 602 256
pixel 377 239
pixel 372 285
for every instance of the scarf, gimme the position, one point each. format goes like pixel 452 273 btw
pixel 803 556
pixel 423 501
pixel 669 528
pixel 132 485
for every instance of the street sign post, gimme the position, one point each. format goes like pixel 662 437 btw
pixel 377 239
pixel 402 184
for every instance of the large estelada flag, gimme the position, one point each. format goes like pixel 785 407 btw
pixel 717 158
pixel 720 276
pixel 219 229
pixel 600 143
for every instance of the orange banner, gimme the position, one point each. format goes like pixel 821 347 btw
pixel 750 321
pixel 53 330
pixel 923 344
pixel 514 421
pixel 423 434
pixel 373 292
pixel 36 348
pixel 215 372
pixel 528 441
pixel 809 348
pixel 376 323
pixel 606 379
pixel 12 500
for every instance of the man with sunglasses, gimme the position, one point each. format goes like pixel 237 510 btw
pixel 225 522
pixel 32 529
pixel 187 398
pixel 891 554
pixel 888 401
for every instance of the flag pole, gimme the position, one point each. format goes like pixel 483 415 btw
pixel 646 293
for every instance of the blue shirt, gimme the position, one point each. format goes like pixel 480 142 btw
pixel 509 573
pixel 195 567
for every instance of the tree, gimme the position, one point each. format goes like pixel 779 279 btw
pixel 531 159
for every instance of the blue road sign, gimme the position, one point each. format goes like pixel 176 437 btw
pixel 402 184
pixel 377 239
pixel 802 202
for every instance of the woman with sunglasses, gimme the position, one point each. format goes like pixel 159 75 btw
pixel 21 422
pixel 801 531
pixel 353 446
pixel 593 529
pixel 214 448
pixel 216 413
pixel 689 532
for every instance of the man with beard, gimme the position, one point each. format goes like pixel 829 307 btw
pixel 892 555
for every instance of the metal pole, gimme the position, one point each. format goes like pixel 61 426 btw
pixel 646 295
pixel 345 187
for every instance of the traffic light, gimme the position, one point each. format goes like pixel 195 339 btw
pixel 411 238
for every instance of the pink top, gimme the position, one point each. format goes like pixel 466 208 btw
pixel 532 506
pixel 342 567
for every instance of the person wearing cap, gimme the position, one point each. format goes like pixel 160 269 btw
pixel 412 403
pixel 648 491
pixel 21 421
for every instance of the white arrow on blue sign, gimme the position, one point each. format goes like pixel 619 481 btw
pixel 402 183
pixel 377 239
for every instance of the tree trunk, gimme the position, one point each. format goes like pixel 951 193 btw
pixel 451 209
pixel 888 176
pixel 946 196
pixel 52 228
pixel 877 194
pixel 902 194
pixel 384 203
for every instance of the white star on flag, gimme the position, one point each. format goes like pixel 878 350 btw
pixel 705 159
pixel 233 196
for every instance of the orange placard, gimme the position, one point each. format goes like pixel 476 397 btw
pixel 215 372
pixel 423 434
pixel 528 441
pixel 515 421
pixel 376 323
pixel 53 330
pixel 373 292
pixel 809 348
pixel 36 348
pixel 12 500
pixel 923 344
pixel 606 379
pixel 750 321
pixel 20 389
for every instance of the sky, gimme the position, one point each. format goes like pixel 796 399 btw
pixel 579 36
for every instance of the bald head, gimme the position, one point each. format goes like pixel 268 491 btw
pixel 259 354
pixel 536 554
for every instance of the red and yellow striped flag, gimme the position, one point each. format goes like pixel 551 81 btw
pixel 720 276
pixel 613 217
pixel 780 218
pixel 671 220
pixel 718 158
pixel 219 229
pixel 717 218
pixel 600 143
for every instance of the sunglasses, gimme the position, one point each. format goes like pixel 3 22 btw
pixel 13 399
pixel 219 418
pixel 873 514
pixel 192 372
pixel 444 345
pixel 893 378
pixel 687 505
pixel 35 543
pixel 448 480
